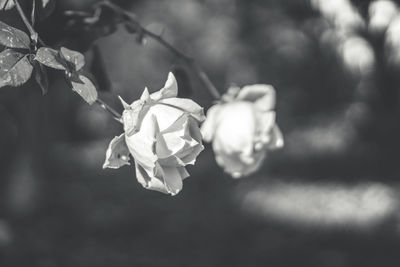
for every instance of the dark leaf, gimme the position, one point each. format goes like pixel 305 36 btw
pixel 65 59
pixel 87 90
pixel 12 37
pixel 131 27
pixel 76 58
pixel 49 57
pixel 74 76
pixel 41 77
pixel 15 68
pixel 6 4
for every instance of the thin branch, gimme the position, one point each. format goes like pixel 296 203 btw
pixel 33 12
pixel 201 75
pixel 34 35
pixel 32 32
pixel 117 116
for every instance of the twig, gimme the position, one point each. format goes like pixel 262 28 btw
pixel 106 107
pixel 117 116
pixel 32 32
pixel 202 76
pixel 34 35
pixel 33 12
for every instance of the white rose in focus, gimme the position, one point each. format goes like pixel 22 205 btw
pixel 162 134
pixel 242 128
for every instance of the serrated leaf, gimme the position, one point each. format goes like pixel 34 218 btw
pixel 6 4
pixel 65 59
pixel 87 90
pixel 12 37
pixel 15 68
pixel 49 57
pixel 74 57
pixel 41 77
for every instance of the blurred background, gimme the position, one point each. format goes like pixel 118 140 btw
pixel 330 197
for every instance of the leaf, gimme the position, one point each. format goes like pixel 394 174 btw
pixel 41 77
pixel 131 27
pixel 49 57
pixel 59 59
pixel 15 68
pixel 12 37
pixel 6 4
pixel 74 57
pixel 87 90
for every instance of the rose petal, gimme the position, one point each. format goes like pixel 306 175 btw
pixel 190 158
pixel 124 104
pixel 142 144
pixel 234 165
pixel 176 134
pixel 187 105
pixel 276 138
pixel 262 95
pixel 165 115
pixel 145 95
pixel 189 155
pixel 167 180
pixel 170 89
pixel 266 121
pixel 173 179
pixel 176 145
pixel 117 154
pixel 209 125
pixel 149 182
pixel 133 115
pixel 237 127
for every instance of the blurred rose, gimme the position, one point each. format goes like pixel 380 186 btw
pixel 381 13
pixel 163 136
pixel 242 127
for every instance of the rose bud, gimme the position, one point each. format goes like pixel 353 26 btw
pixel 242 128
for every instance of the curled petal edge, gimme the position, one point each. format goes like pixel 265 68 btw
pixel 117 154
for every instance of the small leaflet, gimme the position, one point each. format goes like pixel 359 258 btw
pixel 12 37
pixel 15 68
pixel 86 90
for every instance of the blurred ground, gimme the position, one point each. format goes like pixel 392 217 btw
pixel 329 198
